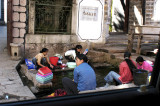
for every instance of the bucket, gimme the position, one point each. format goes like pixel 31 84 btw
pixel 140 76
pixel 71 65
pixel 54 60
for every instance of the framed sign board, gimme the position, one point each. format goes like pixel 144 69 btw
pixel 90 19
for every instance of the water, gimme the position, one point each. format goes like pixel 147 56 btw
pixel 101 72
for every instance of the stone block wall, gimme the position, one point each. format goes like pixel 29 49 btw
pixel 19 21
pixel 149 13
pixel 135 18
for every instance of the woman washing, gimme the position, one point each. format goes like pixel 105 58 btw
pixel 70 55
pixel 125 71
pixel 41 59
pixel 84 77
pixel 142 64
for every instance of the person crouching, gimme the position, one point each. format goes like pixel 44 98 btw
pixel 84 77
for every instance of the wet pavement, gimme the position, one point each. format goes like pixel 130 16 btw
pixel 3 38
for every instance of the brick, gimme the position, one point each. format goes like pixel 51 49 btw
pixel 23 2
pixel 15 16
pixel 19 25
pixel 19 9
pixel 22 17
pixel 15 32
pixel 18 40
pixel 15 2
pixel 22 32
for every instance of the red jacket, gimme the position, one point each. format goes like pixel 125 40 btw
pixel 125 73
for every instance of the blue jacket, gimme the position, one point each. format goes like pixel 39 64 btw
pixel 85 77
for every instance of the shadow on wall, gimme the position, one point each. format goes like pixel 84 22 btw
pixel 119 25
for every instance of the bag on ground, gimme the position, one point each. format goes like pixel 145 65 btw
pixel 30 64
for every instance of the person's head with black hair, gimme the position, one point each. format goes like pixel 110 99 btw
pixel 44 51
pixel 127 57
pixel 140 60
pixel 81 58
pixel 78 49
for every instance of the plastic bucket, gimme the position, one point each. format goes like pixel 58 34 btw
pixel 54 60
pixel 140 76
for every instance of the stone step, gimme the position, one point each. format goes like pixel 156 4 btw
pixel 31 75
pixel 112 49
pixel 116 41
pixel 118 37
pixel 116 45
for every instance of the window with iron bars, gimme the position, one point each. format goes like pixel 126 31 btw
pixel 53 16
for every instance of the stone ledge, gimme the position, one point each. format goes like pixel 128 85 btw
pixel 49 39
pixel 31 75
pixel 110 87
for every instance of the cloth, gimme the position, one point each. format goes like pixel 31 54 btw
pixel 125 72
pixel 39 57
pixel 112 76
pixel 71 53
pixel 145 66
pixel 69 58
pixel 69 86
pixel 85 77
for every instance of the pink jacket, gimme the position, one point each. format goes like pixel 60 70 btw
pixel 145 66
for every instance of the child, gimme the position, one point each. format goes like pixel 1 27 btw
pixel 70 55
pixel 41 59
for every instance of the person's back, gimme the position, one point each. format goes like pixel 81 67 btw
pixel 125 73
pixel 85 77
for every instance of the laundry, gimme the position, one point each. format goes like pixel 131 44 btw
pixel 44 75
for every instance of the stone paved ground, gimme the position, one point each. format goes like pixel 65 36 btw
pixel 10 82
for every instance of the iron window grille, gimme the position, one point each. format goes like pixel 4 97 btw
pixel 53 16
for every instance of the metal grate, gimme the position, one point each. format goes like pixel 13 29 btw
pixel 53 16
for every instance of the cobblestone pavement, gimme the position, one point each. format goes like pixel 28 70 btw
pixel 10 82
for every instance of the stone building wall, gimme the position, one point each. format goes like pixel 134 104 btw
pixel 135 14
pixel 19 21
pixel 150 12
pixel 23 27
pixel 56 43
